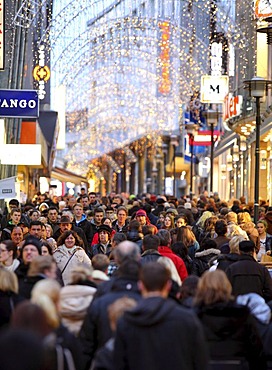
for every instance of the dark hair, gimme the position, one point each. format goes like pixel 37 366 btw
pixel 148 229
pixel 99 210
pixel 15 210
pixel 165 237
pixel 52 208
pixel 48 246
pixel 14 202
pixel 180 249
pixel 246 246
pixel 208 244
pixel 189 286
pixel 154 276
pixel 62 237
pixel 151 242
pixel 221 227
pixel 10 247
pixel 35 223
pixel 119 237
pixel 134 225
pixel 129 268
pixel 31 318
pixel 184 217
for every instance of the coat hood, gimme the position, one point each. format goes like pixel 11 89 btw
pixel 150 311
pixel 207 252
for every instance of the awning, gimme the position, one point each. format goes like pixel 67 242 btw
pixel 64 176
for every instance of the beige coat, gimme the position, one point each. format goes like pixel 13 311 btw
pixel 74 302
pixel 62 255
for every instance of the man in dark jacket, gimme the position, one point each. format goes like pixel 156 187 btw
pixel 96 331
pixel 150 248
pixel 247 275
pixel 143 337
pixel 82 222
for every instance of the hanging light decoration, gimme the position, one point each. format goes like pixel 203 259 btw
pixel 128 67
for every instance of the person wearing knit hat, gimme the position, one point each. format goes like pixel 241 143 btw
pixel 31 248
pixel 104 244
pixel 143 219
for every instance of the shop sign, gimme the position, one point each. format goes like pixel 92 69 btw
pixel 214 88
pixel 19 103
pixel 232 106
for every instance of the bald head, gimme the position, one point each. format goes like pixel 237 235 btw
pixel 126 249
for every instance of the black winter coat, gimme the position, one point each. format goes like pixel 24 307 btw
pixel 95 330
pixel 231 333
pixel 26 285
pixel 150 255
pixel 8 301
pixel 159 334
pixel 248 276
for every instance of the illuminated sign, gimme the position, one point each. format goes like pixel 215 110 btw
pixel 41 73
pixel 2 34
pixel 216 58
pixel 19 103
pixel 21 154
pixel 232 106
pixel 214 88
pixel 263 8
pixel 164 58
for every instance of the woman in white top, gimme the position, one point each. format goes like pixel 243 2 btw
pixel 8 254
pixel 70 254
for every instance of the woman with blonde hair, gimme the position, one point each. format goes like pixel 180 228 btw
pixel 229 328
pixel 46 294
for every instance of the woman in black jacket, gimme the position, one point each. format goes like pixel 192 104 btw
pixel 229 328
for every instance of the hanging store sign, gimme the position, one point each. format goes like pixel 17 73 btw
pixel 214 88
pixel 263 8
pixel 2 35
pixel 19 103
pixel 232 106
pixel 7 188
pixel 164 58
pixel 41 72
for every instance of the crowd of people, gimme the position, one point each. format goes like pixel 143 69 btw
pixel 135 282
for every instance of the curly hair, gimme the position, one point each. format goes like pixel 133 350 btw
pixel 64 236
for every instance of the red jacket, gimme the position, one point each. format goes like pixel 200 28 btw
pixel 178 262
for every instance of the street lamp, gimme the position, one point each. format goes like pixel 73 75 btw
pixel 192 130
pixel 212 117
pixel 258 88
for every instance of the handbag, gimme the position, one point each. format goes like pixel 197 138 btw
pixel 266 259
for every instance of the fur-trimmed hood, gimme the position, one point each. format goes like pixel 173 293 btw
pixel 207 252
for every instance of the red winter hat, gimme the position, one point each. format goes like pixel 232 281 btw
pixel 141 212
